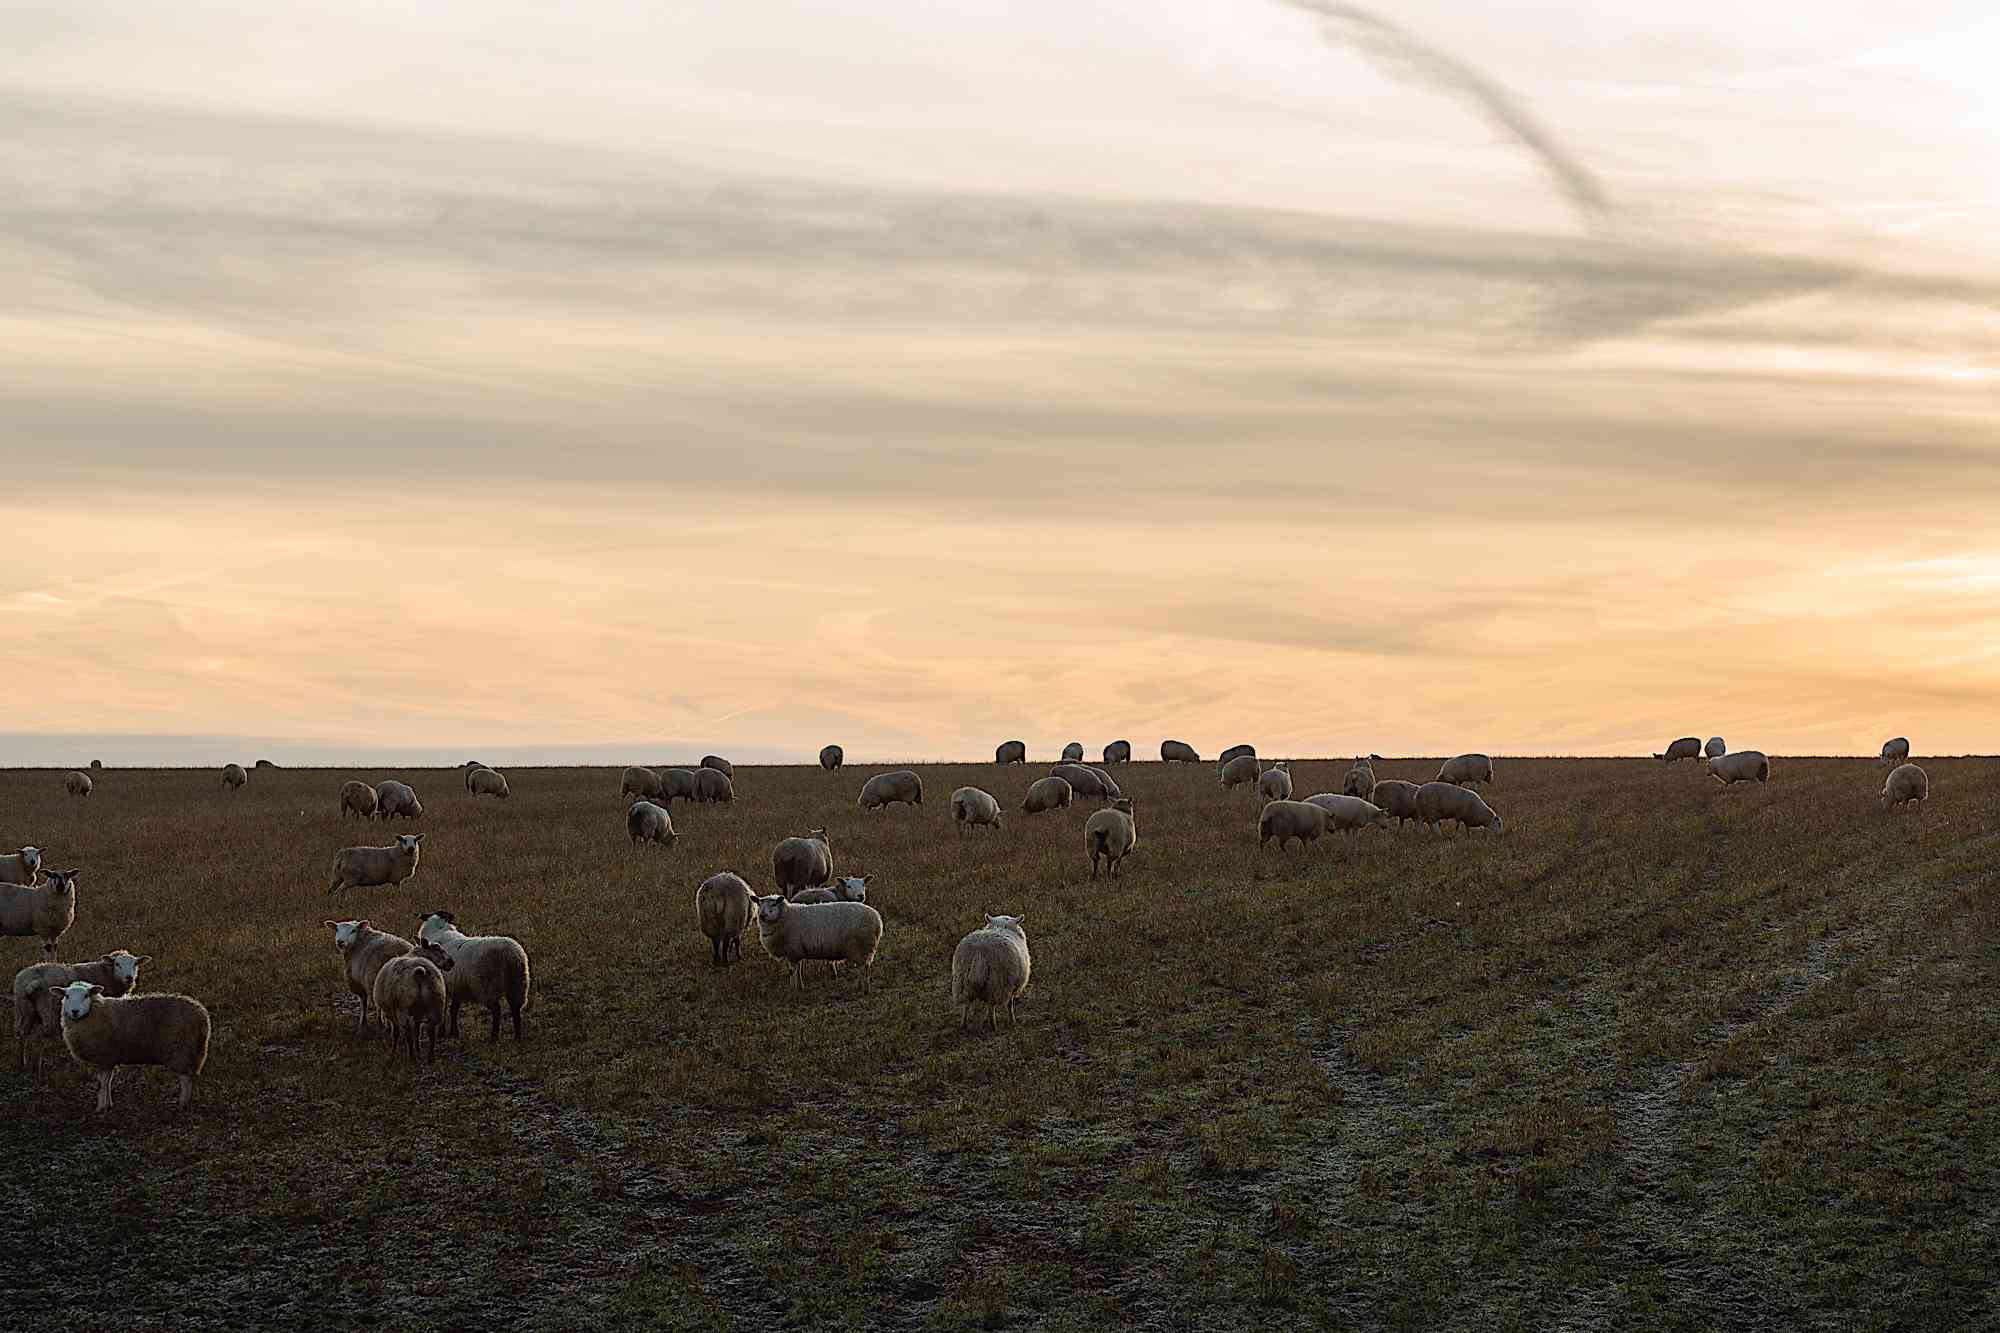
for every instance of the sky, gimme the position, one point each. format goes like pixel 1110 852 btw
pixel 621 380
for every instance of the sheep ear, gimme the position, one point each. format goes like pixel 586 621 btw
pixel 334 924
pixel 362 924
pixel 418 836
pixel 142 959
pixel 96 989
pixel 864 879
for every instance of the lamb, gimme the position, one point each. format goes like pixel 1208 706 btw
pixel 1360 780
pixel 717 763
pixel 492 970
pixel 831 757
pixel 1178 752
pixel 76 784
pixel 1465 770
pixel 1073 753
pixel 723 905
pixel 368 867
pixel 1351 814
pixel 233 776
pixel 485 782
pixel 46 909
pixel 681 784
pixel 794 933
pixel 1284 820
pixel 36 1010
pixel 1082 779
pixel 1047 794
pixel 1011 752
pixel 1895 752
pixel 885 789
pixel 1240 770
pixel 393 798
pixel 363 949
pixel 990 966
pixel 1441 803
pixel 1111 834
pixel 802 862
pixel 1906 782
pixel 1235 752
pixel 1740 766
pixel 639 781
pixel 357 798
pixel 712 786
pixel 852 889
pixel 410 993
pixel 105 1032
pixel 646 823
pixel 1118 752
pixel 1715 749
pixel 1275 782
pixel 21 867
pixel 971 807
pixel 1397 798
pixel 1687 747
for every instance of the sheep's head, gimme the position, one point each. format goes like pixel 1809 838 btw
pixel 434 924
pixel 407 842
pixel 62 883
pixel 1123 803
pixel 1012 923
pixel 344 933
pixel 851 889
pixel 770 909
pixel 819 835
pixel 126 965
pixel 31 861
pixel 433 952
pixel 1498 823
pixel 1381 819
pixel 77 997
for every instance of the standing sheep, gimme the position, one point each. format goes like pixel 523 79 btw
pixel 1073 753
pixel 1111 834
pixel 1118 752
pixel 469 770
pixel 990 966
pixel 1178 752
pixel 1360 780
pixel 1687 747
pixel 410 993
pixel 1240 771
pixel 491 970
pixel 971 808
pixel 46 910
pixel 1397 798
pixel 363 949
pixel 795 933
pixel 1349 815
pixel 1285 820
pixel 720 765
pixel 105 1032
pixel 1082 779
pixel 1275 782
pixel 713 786
pixel 368 867
pixel 1010 752
pixel 76 784
pixel 1714 749
pixel 637 781
pixel 648 823
pixel 1441 803
pixel 1896 751
pixel 357 798
pixel 682 784
pixel 485 782
pixel 233 776
pixel 393 798
pixel 1906 782
pixel 37 1012
pixel 1740 766
pixel 802 862
pixel 1049 793
pixel 885 789
pixel 1235 752
pixel 1465 770
pixel 832 757
pixel 723 905
pixel 21 867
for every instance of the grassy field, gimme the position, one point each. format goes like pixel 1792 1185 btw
pixel 1663 1055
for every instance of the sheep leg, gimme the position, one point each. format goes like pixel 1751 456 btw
pixel 516 1007
pixel 453 1030
pixel 715 952
pixel 104 1089
pixel 493 1010
pixel 432 1028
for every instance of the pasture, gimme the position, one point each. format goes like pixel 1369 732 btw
pixel 1662 1055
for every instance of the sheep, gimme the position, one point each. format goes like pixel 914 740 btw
pixel 802 862
pixel 36 1011
pixel 646 822
pixel 369 867
pixel 46 910
pixel 720 765
pixel 1284 820
pixel 712 786
pixel 1111 834
pixel 795 933
pixel 1235 752
pixel 990 966
pixel 485 782
pixel 492 970
pixel 1360 780
pixel 1118 752
pixel 1047 794
pixel 1073 753
pixel 1082 779
pixel 1906 782
pixel 1714 749
pixel 263 763
pixel 1740 766
pixel 1687 747
pixel 1178 752
pixel 1010 752
pixel 474 763
pixel 21 867
pixel 76 784
pixel 1465 770
pixel 971 807
pixel 682 784
pixel 831 757
pixel 1275 782
pixel 393 798
pixel 885 789
pixel 723 905
pixel 363 949
pixel 233 776
pixel 104 1032
pixel 1351 814
pixel 357 798
pixel 468 770
pixel 1895 752
pixel 639 781
pixel 1397 798
pixel 1240 770
pixel 96 764
pixel 1109 783
pixel 410 993
pixel 851 889
pixel 1441 803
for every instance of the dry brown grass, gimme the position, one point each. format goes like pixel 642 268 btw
pixel 1663 1055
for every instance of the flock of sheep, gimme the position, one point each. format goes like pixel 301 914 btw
pixel 418 986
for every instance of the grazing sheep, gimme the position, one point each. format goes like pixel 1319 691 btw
pixel 96 764
pixel 233 776
pixel 1082 779
pixel 1178 752
pixel 712 786
pixel 1896 751
pixel 1740 766
pixel 76 784
pixel 1284 820
pixel 46 909
pixel 1351 814
pixel 885 789
pixel 1715 749
pixel 720 765
pixel 1465 770
pixel 1397 798
pixel 21 867
pixel 1073 753
pixel 851 889
pixel 638 781
pixel 1687 747
pixel 1011 752
pixel 1441 803
pixel 105 1032
pixel 368 867
pixel 831 757
pixel 971 807
pixel 1241 770
pixel 723 905
pixel 468 770
pixel 492 970
pixel 1360 780
pixel 1118 752
pixel 1047 794
pixel 485 782
pixel 1235 752
pixel 990 966
pixel 1109 783
pixel 1111 834
pixel 682 784
pixel 393 798
pixel 363 949
pixel 646 822
pixel 1275 782
pixel 261 763
pixel 1906 782
pixel 795 933
pixel 801 862
pixel 357 798
pixel 410 994
pixel 474 763
pixel 36 1010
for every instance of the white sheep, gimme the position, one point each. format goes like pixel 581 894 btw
pixel 1714 749
pixel 363 949
pixel 105 1032
pixel 1011 752
pixel 1895 751
pixel 46 909
pixel 1178 752
pixel 1349 815
pixel 637 781
pixel 713 786
pixel 1740 766
pixel 21 867
pixel 233 776
pixel 1360 780
pixel 1441 803
pixel 885 789
pixel 486 782
pixel 410 995
pixel 1111 834
pixel 1687 747
pixel 681 784
pixel 991 966
pixel 971 808
pixel 393 798
pixel 1240 770
pixel 649 823
pixel 795 933
pixel 802 862
pixel 1235 752
pixel 491 970
pixel 848 889
pixel 723 906
pixel 1285 820
pixel 1397 798
pixel 1049 793
pixel 1906 782
pixel 1073 753
pixel 831 757
pixel 76 784
pixel 1275 782
pixel 357 798
pixel 368 867
pixel 1118 752
pixel 716 763
pixel 36 1006
pixel 1465 770
pixel 1083 780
